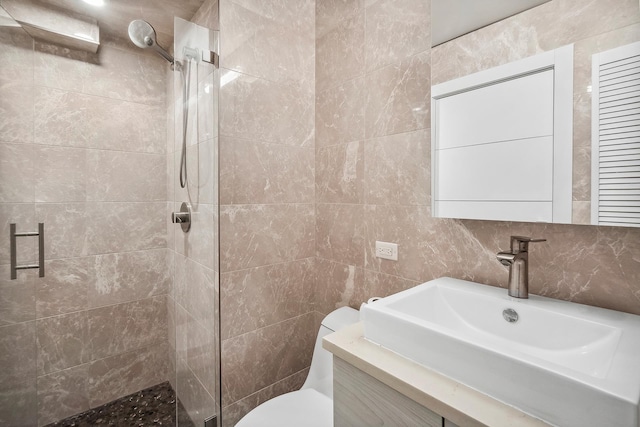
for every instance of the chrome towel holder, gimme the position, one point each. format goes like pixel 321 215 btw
pixel 13 248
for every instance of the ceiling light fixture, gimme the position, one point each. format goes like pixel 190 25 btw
pixel 94 2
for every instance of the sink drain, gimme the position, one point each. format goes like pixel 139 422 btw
pixel 510 315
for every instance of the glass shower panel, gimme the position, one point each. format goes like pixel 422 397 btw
pixel 195 166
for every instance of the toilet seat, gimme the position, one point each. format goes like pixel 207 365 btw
pixel 305 407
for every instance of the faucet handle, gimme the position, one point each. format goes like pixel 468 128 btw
pixel 521 243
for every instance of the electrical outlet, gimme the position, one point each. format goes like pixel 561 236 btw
pixel 387 250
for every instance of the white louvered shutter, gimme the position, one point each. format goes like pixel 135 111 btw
pixel 616 137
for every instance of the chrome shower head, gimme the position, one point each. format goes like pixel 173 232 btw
pixel 143 35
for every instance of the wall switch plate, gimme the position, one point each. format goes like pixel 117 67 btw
pixel 387 250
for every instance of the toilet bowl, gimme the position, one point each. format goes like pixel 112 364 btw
pixel 312 405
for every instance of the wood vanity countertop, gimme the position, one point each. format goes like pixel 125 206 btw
pixel 450 399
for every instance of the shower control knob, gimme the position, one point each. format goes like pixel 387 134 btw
pixel 183 217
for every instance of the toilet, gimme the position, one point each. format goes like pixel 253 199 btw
pixel 312 405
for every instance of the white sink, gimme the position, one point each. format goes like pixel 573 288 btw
pixel 565 363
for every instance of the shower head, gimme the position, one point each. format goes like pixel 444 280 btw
pixel 143 35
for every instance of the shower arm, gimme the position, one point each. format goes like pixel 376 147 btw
pixel 163 52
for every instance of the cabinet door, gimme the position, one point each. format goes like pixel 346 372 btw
pixel 361 400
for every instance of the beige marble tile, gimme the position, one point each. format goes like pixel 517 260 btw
pixel 260 358
pixel 65 227
pixel 588 265
pixel 18 354
pixel 60 117
pixel 65 287
pixel 260 172
pixel 252 108
pixel 340 233
pixel 16 173
pixel 16 55
pixel 113 227
pixel 520 36
pixel 127 373
pixel 171 323
pixel 427 247
pixel 171 228
pixel 340 113
pixel 254 37
pixel 382 285
pixel 197 402
pixel 183 318
pixel 208 15
pixel 296 15
pixel 337 285
pixel 62 174
pixel 340 173
pixel 162 12
pixel 54 64
pixel 395 30
pixel 16 111
pixel 196 292
pixel 62 394
pixel 582 120
pixel 340 52
pixel 398 97
pixel 125 327
pixel 329 13
pixel 262 296
pixel 18 404
pixel 127 126
pixel 171 341
pixel 583 19
pixel 234 412
pixel 62 342
pixel 128 276
pixel 198 244
pixel 582 173
pixel 17 297
pixel 74 119
pixel 201 355
pixel 398 169
pixel 22 214
pixel 125 177
pixel 255 235
pixel 581 213
pixel 127 76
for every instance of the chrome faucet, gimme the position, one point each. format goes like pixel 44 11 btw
pixel 518 262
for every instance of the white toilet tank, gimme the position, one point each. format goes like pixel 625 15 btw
pixel 312 405
pixel 320 375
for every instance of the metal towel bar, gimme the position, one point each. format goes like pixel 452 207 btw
pixel 14 252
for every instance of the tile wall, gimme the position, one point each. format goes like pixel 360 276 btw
pixel 371 173
pixel 81 149
pixel 373 63
pixel 267 213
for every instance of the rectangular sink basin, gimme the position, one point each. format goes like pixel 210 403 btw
pixel 565 363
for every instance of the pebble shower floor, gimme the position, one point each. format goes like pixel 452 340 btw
pixel 153 406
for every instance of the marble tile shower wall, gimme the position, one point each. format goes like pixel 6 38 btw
pixel 372 146
pixel 373 65
pixel 267 214
pixel 81 149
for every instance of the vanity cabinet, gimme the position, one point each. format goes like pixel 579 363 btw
pixel 361 400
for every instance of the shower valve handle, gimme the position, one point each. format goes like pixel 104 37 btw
pixel 183 217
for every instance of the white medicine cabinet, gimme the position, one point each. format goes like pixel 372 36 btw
pixel 502 142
